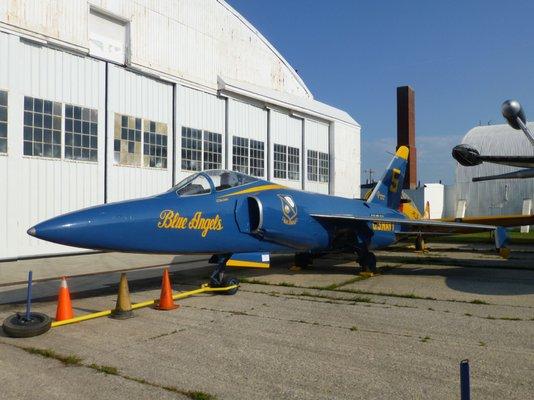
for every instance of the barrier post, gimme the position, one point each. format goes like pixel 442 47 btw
pixel 29 296
pixel 465 387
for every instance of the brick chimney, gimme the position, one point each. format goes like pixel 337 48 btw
pixel 406 131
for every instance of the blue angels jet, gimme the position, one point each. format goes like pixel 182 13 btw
pixel 241 220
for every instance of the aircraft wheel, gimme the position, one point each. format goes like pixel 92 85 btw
pixel 303 260
pixel 368 262
pixel 230 281
pixel 17 326
pixel 420 243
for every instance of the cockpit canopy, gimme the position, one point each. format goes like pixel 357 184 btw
pixel 206 181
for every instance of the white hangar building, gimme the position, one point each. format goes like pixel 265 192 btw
pixel 105 100
pixel 493 197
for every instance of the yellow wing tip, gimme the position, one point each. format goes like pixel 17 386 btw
pixel 403 152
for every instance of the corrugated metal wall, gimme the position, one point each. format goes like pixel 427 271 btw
pixel 198 110
pixel 195 40
pixel 286 130
pixel 137 96
pixel 497 197
pixel 316 138
pixel 40 188
pixel 247 121
pixel 345 168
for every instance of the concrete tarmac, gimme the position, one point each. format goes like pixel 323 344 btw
pixel 318 333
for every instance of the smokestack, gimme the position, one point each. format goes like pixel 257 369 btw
pixel 406 131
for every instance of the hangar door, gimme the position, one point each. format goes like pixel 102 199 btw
pixel 247 138
pixel 286 149
pixel 51 155
pixel 200 133
pixel 139 135
pixel 317 161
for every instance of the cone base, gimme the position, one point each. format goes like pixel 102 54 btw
pixel 119 314
pixel 168 308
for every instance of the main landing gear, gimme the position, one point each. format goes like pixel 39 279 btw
pixel 219 279
pixel 367 261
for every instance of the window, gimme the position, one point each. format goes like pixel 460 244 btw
pixel 318 166
pixel 212 150
pixel 193 185
pixel 293 163
pixel 223 180
pixel 240 154
pixel 191 149
pixel 127 143
pixel 154 144
pixel 3 121
pixel 280 161
pixel 257 163
pixel 42 128
pixel 248 155
pixel 312 165
pixel 323 167
pixel 81 133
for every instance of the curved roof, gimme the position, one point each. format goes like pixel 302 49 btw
pixel 494 140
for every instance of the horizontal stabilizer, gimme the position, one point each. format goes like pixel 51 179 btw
pixel 249 260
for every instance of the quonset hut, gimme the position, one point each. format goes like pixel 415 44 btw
pixel 107 100
pixel 494 197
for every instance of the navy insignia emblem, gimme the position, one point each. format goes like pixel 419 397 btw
pixel 289 210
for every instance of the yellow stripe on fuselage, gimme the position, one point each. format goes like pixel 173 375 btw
pixel 250 264
pixel 255 189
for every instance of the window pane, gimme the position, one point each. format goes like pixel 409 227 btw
pixel 312 165
pixel 240 154
pixel 257 158
pixel 293 163
pixel 154 151
pixel 191 149
pixel 40 137
pixel 323 167
pixel 212 150
pixel 280 161
pixel 78 128
pixel 127 149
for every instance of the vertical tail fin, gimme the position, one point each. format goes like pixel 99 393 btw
pixel 387 191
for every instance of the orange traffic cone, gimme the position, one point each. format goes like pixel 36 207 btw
pixel 166 301
pixel 64 305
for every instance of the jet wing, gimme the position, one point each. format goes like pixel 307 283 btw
pixel 500 220
pixel 410 226
pixel 514 161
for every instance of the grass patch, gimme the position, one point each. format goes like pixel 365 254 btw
pixel 105 369
pixel 511 319
pixel 431 309
pixel 468 315
pixel 353 328
pixel 425 339
pixel 67 360
pixel 477 301
pixel 515 237
pixel 490 317
pixel 482 344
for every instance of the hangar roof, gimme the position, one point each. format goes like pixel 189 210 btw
pixel 494 140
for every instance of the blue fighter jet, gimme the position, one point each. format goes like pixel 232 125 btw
pixel 241 221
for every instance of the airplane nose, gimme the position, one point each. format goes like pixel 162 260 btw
pixel 101 227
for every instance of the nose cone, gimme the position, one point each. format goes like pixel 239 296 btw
pixel 105 227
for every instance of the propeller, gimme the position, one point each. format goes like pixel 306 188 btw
pixel 515 116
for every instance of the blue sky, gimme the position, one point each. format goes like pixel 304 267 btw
pixel 463 58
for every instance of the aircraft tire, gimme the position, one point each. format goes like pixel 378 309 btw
pixel 229 282
pixel 15 326
pixel 368 262
pixel 303 260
